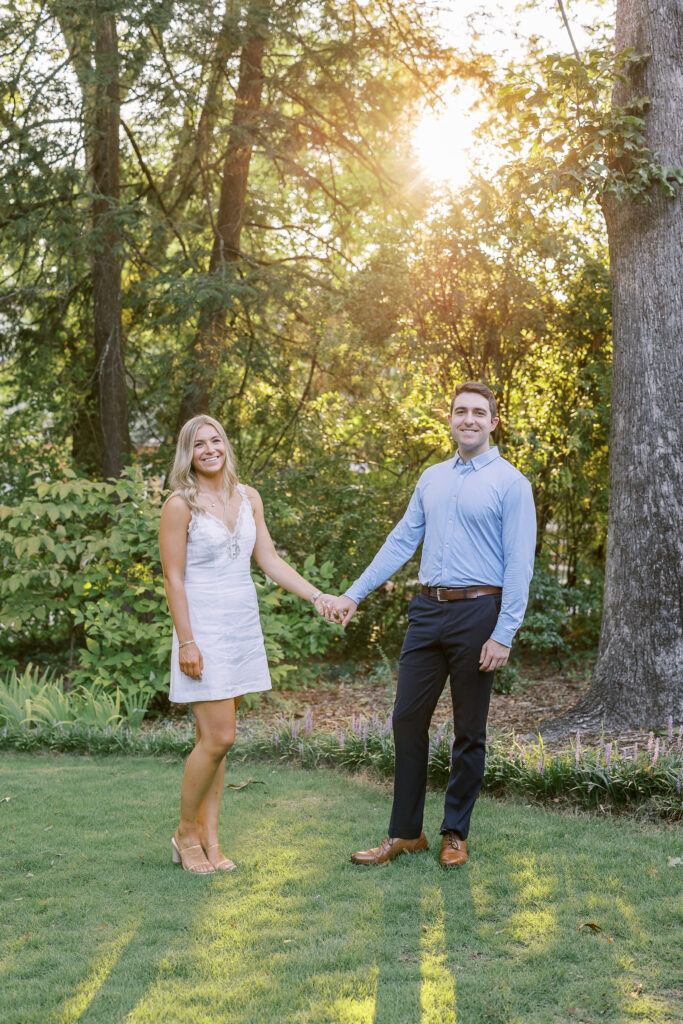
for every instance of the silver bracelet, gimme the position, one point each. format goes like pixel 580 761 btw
pixel 185 643
pixel 315 596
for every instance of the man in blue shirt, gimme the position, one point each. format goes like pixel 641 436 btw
pixel 475 516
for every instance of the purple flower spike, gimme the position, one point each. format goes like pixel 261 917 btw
pixel 650 741
pixel 635 752
pixel 679 781
pixel 656 753
pixel 341 740
pixel 539 766
pixel 670 727
pixel 679 740
pixel 608 756
pixel 578 746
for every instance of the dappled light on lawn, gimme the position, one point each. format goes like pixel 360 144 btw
pixel 535 922
pixel 114 932
pixel 103 964
pixel 437 994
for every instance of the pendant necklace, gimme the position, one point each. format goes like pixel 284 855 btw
pixel 233 535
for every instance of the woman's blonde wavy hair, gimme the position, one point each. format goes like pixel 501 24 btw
pixel 182 477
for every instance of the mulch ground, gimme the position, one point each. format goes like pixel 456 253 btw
pixel 544 695
pixel 330 704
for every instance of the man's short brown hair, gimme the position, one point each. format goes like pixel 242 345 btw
pixel 478 389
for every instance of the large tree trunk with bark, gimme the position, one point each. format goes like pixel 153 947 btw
pixel 638 679
pixel 209 342
pixel 106 255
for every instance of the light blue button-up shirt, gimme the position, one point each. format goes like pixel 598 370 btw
pixel 478 523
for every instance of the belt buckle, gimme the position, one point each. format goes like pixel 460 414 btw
pixel 439 598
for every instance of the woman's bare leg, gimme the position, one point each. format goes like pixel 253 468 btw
pixel 207 819
pixel 204 769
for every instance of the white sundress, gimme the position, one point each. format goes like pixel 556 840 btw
pixel 223 608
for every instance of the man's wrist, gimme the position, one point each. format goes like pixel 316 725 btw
pixel 504 640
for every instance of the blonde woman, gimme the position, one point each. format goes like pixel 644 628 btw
pixel 210 527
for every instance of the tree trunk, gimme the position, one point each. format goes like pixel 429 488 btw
pixel 209 342
pixel 106 255
pixel 638 680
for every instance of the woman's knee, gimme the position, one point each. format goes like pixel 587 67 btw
pixel 218 741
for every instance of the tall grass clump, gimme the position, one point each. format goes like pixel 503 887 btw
pixel 620 779
pixel 35 706
pixel 36 714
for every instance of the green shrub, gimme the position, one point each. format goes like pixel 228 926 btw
pixel 559 618
pixel 293 632
pixel 80 582
pixel 81 585
pixel 507 679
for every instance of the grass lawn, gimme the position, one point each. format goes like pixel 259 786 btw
pixel 98 926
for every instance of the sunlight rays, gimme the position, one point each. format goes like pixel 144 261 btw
pixel 444 139
pixel 437 992
pixel 535 920
pixel 74 1008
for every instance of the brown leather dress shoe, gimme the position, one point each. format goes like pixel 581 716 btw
pixel 390 848
pixel 453 850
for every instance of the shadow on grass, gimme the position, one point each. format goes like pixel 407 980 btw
pixel 106 929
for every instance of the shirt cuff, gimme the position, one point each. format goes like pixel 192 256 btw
pixel 353 594
pixel 503 636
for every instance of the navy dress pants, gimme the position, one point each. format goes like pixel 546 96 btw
pixel 443 639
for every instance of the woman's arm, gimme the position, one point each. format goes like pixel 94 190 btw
pixel 175 519
pixel 275 567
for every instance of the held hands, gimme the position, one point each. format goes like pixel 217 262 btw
pixel 493 655
pixel 321 603
pixel 339 609
pixel 191 661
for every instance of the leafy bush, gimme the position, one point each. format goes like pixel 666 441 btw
pixel 81 584
pixel 560 618
pixel 507 679
pixel 294 633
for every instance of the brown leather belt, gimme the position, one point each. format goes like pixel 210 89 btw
pixel 460 593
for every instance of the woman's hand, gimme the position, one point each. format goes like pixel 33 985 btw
pixel 191 661
pixel 322 603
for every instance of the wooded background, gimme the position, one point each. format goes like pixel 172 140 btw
pixel 217 206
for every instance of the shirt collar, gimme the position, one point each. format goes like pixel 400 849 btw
pixel 479 461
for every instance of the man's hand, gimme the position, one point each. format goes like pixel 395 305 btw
pixel 340 609
pixel 493 655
